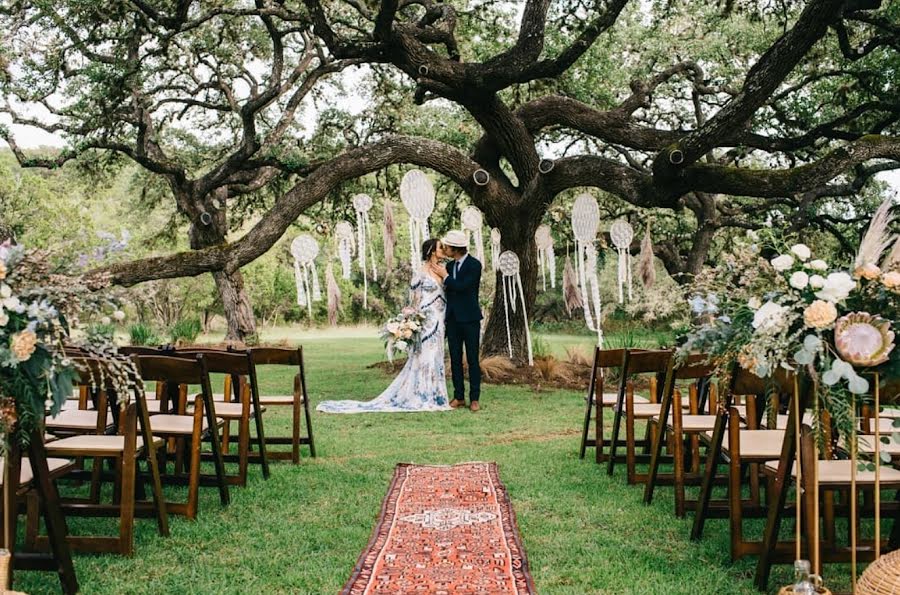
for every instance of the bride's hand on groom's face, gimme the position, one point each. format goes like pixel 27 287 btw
pixel 438 270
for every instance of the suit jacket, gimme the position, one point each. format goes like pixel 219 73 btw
pixel 462 292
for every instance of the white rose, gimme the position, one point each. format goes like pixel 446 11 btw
pixel 754 303
pixel 837 287
pixel 13 304
pixel 783 262
pixel 818 264
pixel 770 318
pixel 5 291
pixel 401 345
pixel 4 317
pixel 817 281
pixel 119 315
pixel 801 251
pixel 799 280
pixel 105 321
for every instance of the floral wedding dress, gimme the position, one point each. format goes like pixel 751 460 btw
pixel 421 385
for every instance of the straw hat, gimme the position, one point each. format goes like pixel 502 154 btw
pixel 455 238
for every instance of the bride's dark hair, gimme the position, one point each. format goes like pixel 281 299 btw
pixel 429 247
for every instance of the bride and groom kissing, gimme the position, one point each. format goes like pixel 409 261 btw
pixel 445 289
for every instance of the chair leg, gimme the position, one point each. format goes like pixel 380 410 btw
pixel 295 436
pixel 196 441
pixel 712 460
pixel 677 455
pixel 260 433
pixel 226 436
pixel 586 426
pixel 126 511
pixel 617 423
pixel 630 464
pixel 244 445
pixel 309 429
pixel 735 506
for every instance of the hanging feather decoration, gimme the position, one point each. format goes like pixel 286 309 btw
pixel 390 235
pixel 571 292
pixel 344 236
pixel 645 262
pixel 495 248
pixel 878 237
pixel 892 260
pixel 334 295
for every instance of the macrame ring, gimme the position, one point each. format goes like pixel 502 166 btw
pixel 546 166
pixel 481 177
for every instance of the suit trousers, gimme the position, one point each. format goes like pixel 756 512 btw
pixel 460 335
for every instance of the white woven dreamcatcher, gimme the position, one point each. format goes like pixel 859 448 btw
pixel 304 249
pixel 495 249
pixel 472 222
pixel 512 288
pixel 363 204
pixel 343 235
pixel 417 195
pixel 546 257
pixel 621 234
pixel 585 222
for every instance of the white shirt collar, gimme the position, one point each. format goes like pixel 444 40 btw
pixel 460 260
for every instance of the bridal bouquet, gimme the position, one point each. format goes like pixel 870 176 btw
pixel 796 310
pixel 403 332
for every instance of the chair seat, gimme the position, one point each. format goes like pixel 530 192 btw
pixel 837 473
pixel 609 399
pixel 695 423
pixel 231 410
pixel 289 399
pixel 25 475
pixel 756 444
pixel 73 419
pixel 866 445
pixel 165 423
pixel 646 410
pixel 782 420
pixel 90 444
pixel 885 426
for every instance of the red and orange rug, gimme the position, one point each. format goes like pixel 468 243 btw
pixel 445 531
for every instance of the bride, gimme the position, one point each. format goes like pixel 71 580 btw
pixel 421 385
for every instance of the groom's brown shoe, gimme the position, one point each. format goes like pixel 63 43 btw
pixel 457 404
pixel 474 406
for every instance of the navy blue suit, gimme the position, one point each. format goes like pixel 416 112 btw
pixel 463 317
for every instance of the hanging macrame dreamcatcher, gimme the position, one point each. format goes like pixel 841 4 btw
pixel 417 195
pixel 304 249
pixel 363 204
pixel 512 288
pixel 343 235
pixel 622 234
pixel 585 222
pixel 495 249
pixel 546 257
pixel 472 222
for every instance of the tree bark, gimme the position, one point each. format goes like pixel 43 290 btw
pixel 517 235
pixel 238 310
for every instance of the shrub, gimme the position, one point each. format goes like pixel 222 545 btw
pixel 540 347
pixel 142 334
pixel 186 330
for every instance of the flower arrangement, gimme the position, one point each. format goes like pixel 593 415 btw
pixel 35 371
pixel 403 332
pixel 795 310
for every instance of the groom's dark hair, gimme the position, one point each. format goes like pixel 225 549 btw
pixel 460 249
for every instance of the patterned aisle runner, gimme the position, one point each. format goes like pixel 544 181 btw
pixel 444 531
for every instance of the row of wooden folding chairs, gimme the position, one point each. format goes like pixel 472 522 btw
pixel 765 453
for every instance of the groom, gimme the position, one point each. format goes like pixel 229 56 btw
pixel 462 279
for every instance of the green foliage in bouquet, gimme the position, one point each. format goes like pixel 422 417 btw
pixel 796 312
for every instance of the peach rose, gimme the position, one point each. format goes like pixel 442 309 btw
pixel 23 345
pixel 867 271
pixel 819 314
pixel 891 280
pixel 2 270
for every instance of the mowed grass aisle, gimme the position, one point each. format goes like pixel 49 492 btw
pixel 301 531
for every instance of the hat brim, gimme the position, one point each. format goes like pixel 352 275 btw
pixel 454 243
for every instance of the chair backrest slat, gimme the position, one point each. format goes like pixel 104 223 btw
pixel 164 368
pixel 219 362
pixel 644 362
pixel 263 356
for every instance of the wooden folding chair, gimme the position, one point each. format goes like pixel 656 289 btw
pixel 133 443
pixel 237 365
pixel 298 400
pixel 604 360
pixel 178 374
pixel 699 372
pixel 661 365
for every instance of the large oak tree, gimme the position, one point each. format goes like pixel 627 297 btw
pixel 719 112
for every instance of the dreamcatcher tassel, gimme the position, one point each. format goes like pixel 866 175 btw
pixel 512 285
pixel 344 235
pixel 413 238
pixel 495 249
pixel 551 265
pixel 571 293
pixel 363 203
pixel 594 282
pixel 540 258
pixel 304 249
pixel 582 280
pixel 389 238
pixel 646 270
pixel 333 291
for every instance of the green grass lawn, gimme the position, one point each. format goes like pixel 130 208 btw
pixel 302 530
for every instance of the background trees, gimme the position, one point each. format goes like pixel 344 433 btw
pixel 710 116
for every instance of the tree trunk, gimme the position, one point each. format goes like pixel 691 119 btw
pixel 238 311
pixel 230 286
pixel 518 236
